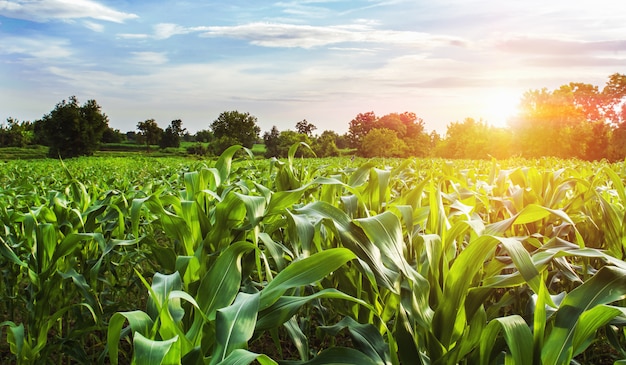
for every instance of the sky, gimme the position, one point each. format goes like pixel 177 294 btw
pixel 285 61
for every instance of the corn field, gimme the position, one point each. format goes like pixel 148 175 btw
pixel 312 261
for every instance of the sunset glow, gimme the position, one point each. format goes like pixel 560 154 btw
pixel 324 61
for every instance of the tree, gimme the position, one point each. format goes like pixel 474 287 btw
pixel 304 127
pixel 16 134
pixel 72 130
pixel 289 138
pixel 240 127
pixel 111 135
pixel 360 127
pixel 172 134
pixel 382 142
pixel 325 146
pixel 272 143
pixel 150 131
pixel 204 135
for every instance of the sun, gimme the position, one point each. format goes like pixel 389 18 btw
pixel 500 105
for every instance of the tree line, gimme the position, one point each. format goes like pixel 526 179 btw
pixel 576 120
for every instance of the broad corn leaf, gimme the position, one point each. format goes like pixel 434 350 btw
pixel 517 335
pixel 151 352
pixel 304 272
pixel 235 326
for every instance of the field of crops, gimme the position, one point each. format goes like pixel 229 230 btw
pixel 312 261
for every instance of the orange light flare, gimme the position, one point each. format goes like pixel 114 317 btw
pixel 500 105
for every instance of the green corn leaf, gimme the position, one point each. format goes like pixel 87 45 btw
pixel 15 337
pixel 235 326
pixel 589 323
pixel 353 238
pixel 336 356
pixel 225 161
pixel 220 285
pixel 516 334
pixel 245 357
pixel 150 352
pixel 606 286
pixel 138 321
pixel 304 272
pixel 287 306
pixel 365 337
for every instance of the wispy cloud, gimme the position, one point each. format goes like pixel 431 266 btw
pixel 40 47
pixel 41 11
pixel 96 27
pixel 560 46
pixel 152 58
pixel 309 36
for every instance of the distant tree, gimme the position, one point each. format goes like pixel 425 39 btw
pixel 16 134
pixel 204 135
pixel 614 98
pixel 360 127
pixel 242 128
pixel 172 134
pixel 72 130
pixel 325 146
pixel 111 135
pixel 271 140
pixel 150 131
pixel 382 142
pixel 304 127
pixel 219 145
pixel 289 138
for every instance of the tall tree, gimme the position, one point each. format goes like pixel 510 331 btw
pixel 241 127
pixel 272 143
pixel 360 127
pixel 305 127
pixel 172 134
pixel 150 131
pixel 72 130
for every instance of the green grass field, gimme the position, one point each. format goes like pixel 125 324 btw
pixel 234 260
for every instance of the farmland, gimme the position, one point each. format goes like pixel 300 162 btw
pixel 312 261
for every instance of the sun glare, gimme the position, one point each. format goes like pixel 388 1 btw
pixel 500 105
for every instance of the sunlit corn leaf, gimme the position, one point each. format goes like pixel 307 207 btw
pixel 139 322
pixel 235 326
pixel 606 286
pixel 150 352
pixel 517 335
pixel 304 272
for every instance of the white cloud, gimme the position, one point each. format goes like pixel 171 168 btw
pixel 133 35
pixel 42 47
pixel 41 11
pixel 309 36
pixel 96 27
pixel 152 58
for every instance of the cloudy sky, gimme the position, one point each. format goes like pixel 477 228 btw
pixel 284 61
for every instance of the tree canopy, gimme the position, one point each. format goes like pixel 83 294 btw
pixel 240 127
pixel 72 130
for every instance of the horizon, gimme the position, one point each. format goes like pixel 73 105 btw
pixel 282 62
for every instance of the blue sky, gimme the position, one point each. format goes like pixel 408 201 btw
pixel 284 61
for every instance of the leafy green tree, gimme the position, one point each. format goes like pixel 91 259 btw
pixel 111 135
pixel 304 127
pixel 325 146
pixel 172 134
pixel 241 127
pixel 271 140
pixel 72 130
pixel 16 134
pixel 204 135
pixel 382 142
pixel 150 131
pixel 360 127
pixel 288 138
